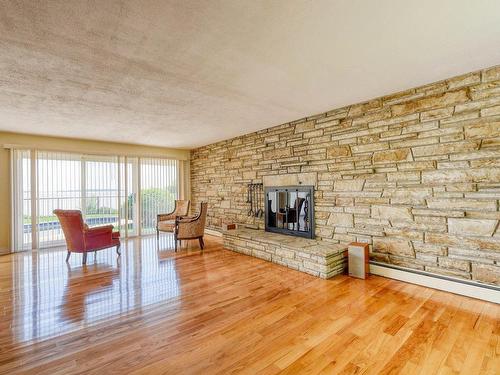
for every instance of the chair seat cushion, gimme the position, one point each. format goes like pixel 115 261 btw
pixel 166 225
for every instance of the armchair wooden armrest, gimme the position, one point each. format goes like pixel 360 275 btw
pixel 185 219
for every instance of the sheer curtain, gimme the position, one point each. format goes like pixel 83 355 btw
pixel 105 188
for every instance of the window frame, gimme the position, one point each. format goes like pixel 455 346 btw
pixel 122 163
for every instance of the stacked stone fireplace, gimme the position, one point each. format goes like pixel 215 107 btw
pixel 289 233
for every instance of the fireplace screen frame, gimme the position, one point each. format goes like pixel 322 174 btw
pixel 309 190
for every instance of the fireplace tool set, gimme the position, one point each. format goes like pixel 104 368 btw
pixel 255 194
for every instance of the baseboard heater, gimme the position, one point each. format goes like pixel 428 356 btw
pixel 467 288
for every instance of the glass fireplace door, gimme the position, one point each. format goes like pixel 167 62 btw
pixel 289 210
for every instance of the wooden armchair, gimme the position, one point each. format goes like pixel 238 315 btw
pixel 191 228
pixel 166 222
pixel 82 239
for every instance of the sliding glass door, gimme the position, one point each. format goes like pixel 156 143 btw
pixel 59 180
pixel 129 191
pixel 105 188
pixel 159 189
pixel 22 204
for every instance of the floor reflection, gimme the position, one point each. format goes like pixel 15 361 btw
pixel 51 297
pixel 81 289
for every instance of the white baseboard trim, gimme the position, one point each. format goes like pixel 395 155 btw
pixel 213 232
pixel 462 287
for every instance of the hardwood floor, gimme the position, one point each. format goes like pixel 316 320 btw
pixel 157 312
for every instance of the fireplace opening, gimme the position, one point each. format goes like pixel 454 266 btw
pixel 290 210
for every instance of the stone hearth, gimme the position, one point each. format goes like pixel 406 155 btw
pixel 317 258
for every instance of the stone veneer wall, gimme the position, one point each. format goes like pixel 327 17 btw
pixel 415 174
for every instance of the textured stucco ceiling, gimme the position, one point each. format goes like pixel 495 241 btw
pixel 188 73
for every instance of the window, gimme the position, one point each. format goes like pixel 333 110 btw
pixel 105 188
pixel 158 190
pixel 21 199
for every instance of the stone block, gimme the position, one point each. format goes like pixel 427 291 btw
pixel 421 247
pixel 391 156
pixel 461 176
pixel 313 134
pixel 391 213
pixel 430 102
pixel 475 106
pixel 249 175
pixel 436 114
pixel 456 264
pixel 474 243
pixel 341 219
pixel 459 118
pixel 407 262
pixel 278 153
pixel 394 120
pixel 482 130
pixel 448 272
pixel 304 126
pixel 445 148
pixel 403 176
pixel 291 179
pixel 461 204
pixel 472 227
pixel 283 253
pixel 492 74
pixel 349 185
pixel 428 259
pixel 393 246
pixel 370 147
pixel 404 232
pixel 464 80
pixel 338 151
pixel 474 256
pixel 486 273
pixel 359 109
pixel 408 195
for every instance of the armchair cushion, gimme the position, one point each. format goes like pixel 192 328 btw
pixel 96 231
pixel 166 225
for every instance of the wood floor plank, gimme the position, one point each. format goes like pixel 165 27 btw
pixel 154 311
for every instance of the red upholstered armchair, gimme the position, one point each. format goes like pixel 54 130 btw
pixel 82 239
